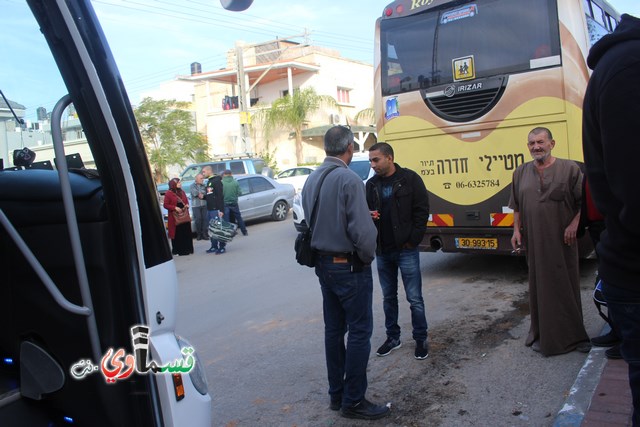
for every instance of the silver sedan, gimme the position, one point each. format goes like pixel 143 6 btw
pixel 264 197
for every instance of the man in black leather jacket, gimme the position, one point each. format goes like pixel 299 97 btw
pixel 399 204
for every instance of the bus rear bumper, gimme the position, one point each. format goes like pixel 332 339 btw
pixel 485 240
pixel 496 240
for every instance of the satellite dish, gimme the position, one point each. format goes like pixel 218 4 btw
pixel 236 5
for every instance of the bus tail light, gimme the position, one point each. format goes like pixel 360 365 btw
pixel 389 11
pixel 178 387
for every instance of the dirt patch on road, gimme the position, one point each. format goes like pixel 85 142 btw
pixel 423 395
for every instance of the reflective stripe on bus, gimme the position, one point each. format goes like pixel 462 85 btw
pixel 440 220
pixel 502 220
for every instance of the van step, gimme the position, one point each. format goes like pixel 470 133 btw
pixel 9 397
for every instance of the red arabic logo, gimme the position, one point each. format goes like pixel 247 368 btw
pixel 121 369
pixel 117 365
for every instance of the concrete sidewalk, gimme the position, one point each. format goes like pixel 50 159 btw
pixel 600 395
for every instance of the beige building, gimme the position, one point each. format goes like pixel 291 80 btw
pixel 272 70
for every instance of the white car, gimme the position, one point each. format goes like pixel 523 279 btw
pixel 295 176
pixel 359 164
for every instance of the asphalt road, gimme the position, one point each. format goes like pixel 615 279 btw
pixel 255 318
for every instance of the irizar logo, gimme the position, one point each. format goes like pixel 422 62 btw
pixel 451 90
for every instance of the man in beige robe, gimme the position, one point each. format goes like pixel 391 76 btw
pixel 545 197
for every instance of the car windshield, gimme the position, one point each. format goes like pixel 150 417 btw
pixel 361 167
pixel 286 173
pixel 190 173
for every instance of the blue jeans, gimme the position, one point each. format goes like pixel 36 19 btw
pixel 347 306
pixel 235 210
pixel 408 261
pixel 624 309
pixel 215 243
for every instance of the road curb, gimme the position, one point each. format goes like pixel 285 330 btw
pixel 577 402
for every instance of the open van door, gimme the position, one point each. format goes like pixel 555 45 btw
pixel 89 288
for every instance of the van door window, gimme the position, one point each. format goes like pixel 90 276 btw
pixel 219 168
pixel 237 168
pixel 258 165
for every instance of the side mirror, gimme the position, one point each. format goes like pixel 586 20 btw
pixel 236 5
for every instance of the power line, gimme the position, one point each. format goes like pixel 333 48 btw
pixel 190 17
pixel 260 25
pixel 207 13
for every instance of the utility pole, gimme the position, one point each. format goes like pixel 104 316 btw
pixel 244 89
pixel 243 100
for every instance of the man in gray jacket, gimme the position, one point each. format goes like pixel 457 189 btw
pixel 199 207
pixel 344 237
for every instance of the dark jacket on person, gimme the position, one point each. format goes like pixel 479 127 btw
pixel 611 129
pixel 215 198
pixel 409 210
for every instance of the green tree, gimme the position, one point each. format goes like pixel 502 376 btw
pixel 269 158
pixel 167 129
pixel 291 112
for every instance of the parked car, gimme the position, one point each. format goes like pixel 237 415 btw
pixel 295 176
pixel 262 197
pixel 359 164
pixel 238 165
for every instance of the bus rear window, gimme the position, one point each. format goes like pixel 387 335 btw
pixel 488 37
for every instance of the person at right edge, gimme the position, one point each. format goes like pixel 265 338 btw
pixel 591 220
pixel 345 247
pixel 399 205
pixel 611 153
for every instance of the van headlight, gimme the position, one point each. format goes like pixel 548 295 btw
pixel 197 374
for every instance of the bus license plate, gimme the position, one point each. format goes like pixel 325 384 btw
pixel 476 243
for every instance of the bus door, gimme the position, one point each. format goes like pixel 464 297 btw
pixel 89 287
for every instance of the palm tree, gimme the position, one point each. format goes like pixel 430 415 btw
pixel 291 112
pixel 366 116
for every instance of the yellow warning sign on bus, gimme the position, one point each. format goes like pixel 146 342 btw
pixel 464 68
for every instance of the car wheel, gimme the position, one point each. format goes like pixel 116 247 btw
pixel 280 211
